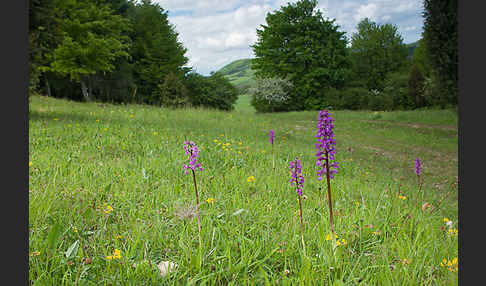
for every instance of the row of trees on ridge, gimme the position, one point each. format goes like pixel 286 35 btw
pixel 126 51
pixel 120 51
pixel 302 47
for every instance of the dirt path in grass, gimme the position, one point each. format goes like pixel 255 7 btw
pixel 414 125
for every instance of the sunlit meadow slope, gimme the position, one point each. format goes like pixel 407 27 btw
pixel 109 200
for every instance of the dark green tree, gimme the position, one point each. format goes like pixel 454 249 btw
pixel 119 85
pixel 156 51
pixel 92 41
pixel 416 87
pixel 420 58
pixel 297 43
pixel 171 92
pixel 214 91
pixel 376 51
pixel 44 36
pixel 440 36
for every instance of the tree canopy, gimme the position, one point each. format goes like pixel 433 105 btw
pixel 376 51
pixel 440 36
pixel 299 44
pixel 92 40
pixel 118 50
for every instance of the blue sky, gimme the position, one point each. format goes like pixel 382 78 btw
pixel 217 32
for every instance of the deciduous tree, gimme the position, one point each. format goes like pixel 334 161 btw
pixel 298 43
pixel 376 51
pixel 440 36
pixel 92 40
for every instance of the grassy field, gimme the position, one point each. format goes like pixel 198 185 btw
pixel 109 200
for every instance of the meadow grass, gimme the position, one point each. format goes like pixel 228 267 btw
pixel 108 177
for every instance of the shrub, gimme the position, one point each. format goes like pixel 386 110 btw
pixel 378 100
pixel 434 93
pixel 214 91
pixel 271 94
pixel 354 98
pixel 171 92
pixel 396 90
pixel 416 87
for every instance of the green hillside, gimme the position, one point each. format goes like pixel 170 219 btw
pixel 109 200
pixel 239 73
pixel 411 48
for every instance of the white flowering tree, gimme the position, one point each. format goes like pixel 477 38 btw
pixel 270 94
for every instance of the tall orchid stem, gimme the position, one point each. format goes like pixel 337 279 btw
pixel 302 225
pixel 329 191
pixel 197 202
pixel 273 158
pixel 420 189
pixel 300 209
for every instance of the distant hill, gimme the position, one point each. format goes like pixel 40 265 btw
pixel 242 76
pixel 239 73
pixel 411 48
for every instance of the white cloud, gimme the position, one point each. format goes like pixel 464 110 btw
pixel 366 11
pixel 216 32
pixel 410 28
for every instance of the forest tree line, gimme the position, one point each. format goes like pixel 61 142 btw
pixel 125 51
pixel 118 51
pixel 304 62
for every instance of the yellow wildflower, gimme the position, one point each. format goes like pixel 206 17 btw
pixel 402 197
pixel 329 237
pixel 210 200
pixel 443 262
pixel 452 265
pixel 251 179
pixel 215 140
pixel 116 255
pixel 108 209
pixel 452 231
pixel 240 143
pixel 30 164
pixel 35 253
pixel 342 242
pixel 239 153
pixel 446 220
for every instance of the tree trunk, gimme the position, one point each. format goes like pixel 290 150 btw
pixel 48 87
pixel 134 93
pixel 84 89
